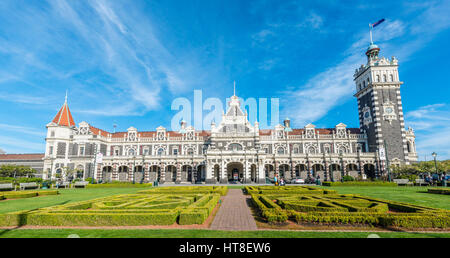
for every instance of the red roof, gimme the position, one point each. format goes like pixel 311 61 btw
pixel 36 156
pixel 64 117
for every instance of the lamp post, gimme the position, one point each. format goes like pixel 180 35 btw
pixel 134 169
pixel 143 168
pixel 434 154
pixel 341 156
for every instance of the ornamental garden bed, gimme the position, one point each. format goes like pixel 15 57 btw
pixel 360 183
pixel 292 206
pixel 439 190
pixel 121 210
pixel 26 194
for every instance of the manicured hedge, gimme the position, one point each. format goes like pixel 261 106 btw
pixel 287 190
pixel 348 209
pixel 360 183
pixel 121 210
pixel 439 190
pixel 222 190
pixel 119 185
pixel 26 194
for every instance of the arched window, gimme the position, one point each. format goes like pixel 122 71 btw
pixel 384 78
pixel 131 152
pixel 280 150
pixel 160 151
pixel 235 147
pixel 296 150
pixel 378 78
pixel 190 151
pixel 392 77
pixel 311 150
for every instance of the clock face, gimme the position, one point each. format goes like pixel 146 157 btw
pixel 389 110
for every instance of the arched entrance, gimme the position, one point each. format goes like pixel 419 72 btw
pixel 139 174
pixel 123 173
pixel 335 172
pixel 201 173
pixel 284 171
pixel 171 173
pixel 269 171
pixel 186 173
pixel 318 170
pixel 106 174
pixel 253 173
pixel 369 170
pixel 217 172
pixel 352 170
pixel 235 172
pixel 155 173
pixel 301 171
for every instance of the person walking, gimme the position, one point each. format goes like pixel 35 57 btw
pixel 275 179
pixel 443 180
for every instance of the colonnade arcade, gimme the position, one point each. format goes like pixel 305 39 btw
pixel 237 170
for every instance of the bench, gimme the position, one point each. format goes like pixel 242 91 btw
pixel 421 182
pixel 403 182
pixel 29 185
pixel 63 184
pixel 80 184
pixel 8 186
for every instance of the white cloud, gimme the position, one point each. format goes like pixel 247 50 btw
pixel 22 129
pixel 432 129
pixel 334 86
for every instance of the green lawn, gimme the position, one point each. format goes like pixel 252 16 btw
pixel 173 233
pixel 414 195
pixel 409 194
pixel 65 196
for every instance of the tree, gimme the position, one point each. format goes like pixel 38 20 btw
pixel 16 171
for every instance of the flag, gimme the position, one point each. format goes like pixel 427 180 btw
pixel 378 23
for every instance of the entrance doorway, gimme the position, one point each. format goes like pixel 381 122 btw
pixel 235 172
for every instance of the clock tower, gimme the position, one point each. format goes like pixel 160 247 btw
pixel 380 106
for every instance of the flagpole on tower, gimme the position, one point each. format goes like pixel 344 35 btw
pixel 371 28
pixel 234 89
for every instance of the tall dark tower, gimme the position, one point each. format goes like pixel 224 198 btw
pixel 380 106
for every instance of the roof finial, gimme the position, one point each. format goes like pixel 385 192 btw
pixel 65 101
pixel 234 92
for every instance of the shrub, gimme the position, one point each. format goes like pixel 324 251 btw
pixel 360 183
pixel 348 178
pixel 439 190
pixel 119 185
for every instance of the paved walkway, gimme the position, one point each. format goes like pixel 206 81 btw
pixel 234 213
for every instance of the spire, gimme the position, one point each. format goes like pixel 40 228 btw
pixel 64 117
pixel 234 91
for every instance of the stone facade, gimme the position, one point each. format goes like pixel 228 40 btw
pixel 235 149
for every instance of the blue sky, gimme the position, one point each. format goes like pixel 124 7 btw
pixel 124 62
